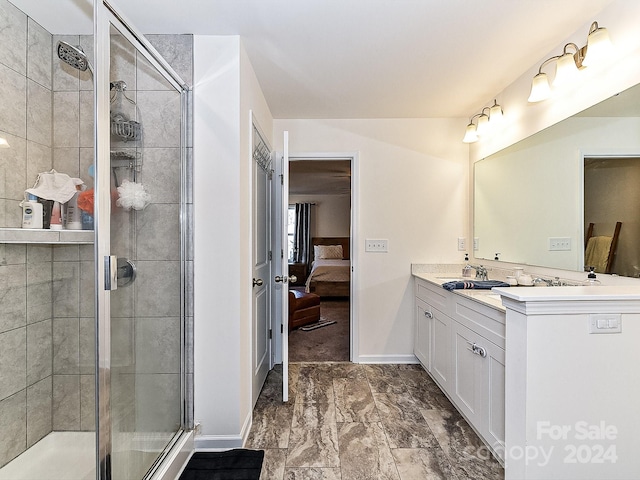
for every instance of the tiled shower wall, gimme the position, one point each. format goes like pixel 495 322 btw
pixel 46 292
pixel 26 333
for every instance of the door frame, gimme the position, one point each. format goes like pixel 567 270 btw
pixel 353 157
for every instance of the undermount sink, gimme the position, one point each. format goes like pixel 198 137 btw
pixel 449 279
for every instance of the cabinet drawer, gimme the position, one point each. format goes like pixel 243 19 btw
pixel 486 321
pixel 432 294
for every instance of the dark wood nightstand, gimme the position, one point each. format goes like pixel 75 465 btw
pixel 300 271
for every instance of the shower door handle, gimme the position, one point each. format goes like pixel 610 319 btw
pixel 110 272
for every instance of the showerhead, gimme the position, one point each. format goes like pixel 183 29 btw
pixel 73 56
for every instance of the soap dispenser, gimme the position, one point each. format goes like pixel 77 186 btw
pixel 591 280
pixel 467 271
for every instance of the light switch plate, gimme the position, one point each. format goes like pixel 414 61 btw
pixel 559 244
pixel 376 245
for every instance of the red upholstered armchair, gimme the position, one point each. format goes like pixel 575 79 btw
pixel 304 308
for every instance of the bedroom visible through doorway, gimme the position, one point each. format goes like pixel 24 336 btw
pixel 319 257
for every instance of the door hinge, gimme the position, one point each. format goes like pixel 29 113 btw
pixel 269 255
pixel 281 253
pixel 281 179
pixel 281 328
pixel 270 334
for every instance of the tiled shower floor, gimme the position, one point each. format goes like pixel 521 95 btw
pixel 58 456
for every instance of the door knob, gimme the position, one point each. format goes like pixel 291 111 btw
pixel 293 278
pixel 257 282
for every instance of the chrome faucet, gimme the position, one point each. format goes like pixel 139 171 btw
pixel 481 272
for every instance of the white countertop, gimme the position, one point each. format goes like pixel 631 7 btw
pixel 597 293
pixel 488 297
pixel 493 298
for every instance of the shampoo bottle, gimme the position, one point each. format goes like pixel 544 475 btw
pixel 31 213
pixel 72 214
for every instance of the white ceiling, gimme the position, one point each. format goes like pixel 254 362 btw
pixel 362 58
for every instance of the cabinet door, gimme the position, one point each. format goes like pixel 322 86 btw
pixel 441 349
pixel 467 373
pixel 493 396
pixel 422 337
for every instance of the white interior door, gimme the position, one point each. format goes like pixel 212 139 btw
pixel 285 266
pixel 261 294
pixel 280 311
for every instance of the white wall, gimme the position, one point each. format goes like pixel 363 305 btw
pixel 412 188
pixel 330 216
pixel 225 89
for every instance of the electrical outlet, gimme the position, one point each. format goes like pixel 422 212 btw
pixel 476 243
pixel 379 245
pixel 462 244
pixel 559 243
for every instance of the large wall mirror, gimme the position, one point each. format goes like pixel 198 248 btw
pixel 534 201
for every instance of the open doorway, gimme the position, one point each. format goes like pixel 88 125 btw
pixel 320 258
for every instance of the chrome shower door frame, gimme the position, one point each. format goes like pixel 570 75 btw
pixel 105 17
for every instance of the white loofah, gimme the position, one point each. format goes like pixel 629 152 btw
pixel 132 195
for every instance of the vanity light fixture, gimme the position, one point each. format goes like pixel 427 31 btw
pixel 570 63
pixel 4 143
pixel 484 124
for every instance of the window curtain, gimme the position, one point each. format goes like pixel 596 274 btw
pixel 302 234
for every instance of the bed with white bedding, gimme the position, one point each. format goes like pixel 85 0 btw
pixel 330 274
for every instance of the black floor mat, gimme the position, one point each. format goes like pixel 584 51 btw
pixel 238 464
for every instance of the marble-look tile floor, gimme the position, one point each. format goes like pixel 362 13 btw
pixel 348 421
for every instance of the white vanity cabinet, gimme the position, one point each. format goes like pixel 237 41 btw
pixel 479 390
pixel 432 339
pixel 460 342
pixel 422 336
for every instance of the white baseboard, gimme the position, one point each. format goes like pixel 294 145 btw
pixel 407 358
pixel 217 442
pixel 224 442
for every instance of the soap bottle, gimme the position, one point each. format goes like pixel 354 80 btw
pixel 31 213
pixel 591 280
pixel 72 214
pixel 467 270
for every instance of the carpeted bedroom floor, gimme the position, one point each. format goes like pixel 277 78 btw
pixel 326 344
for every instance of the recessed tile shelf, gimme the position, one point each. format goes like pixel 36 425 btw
pixel 24 235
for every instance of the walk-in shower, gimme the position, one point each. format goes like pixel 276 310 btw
pixel 94 377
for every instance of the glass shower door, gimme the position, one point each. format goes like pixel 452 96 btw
pixel 146 333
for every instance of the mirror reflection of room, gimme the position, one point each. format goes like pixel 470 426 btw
pixel 547 189
pixel 319 225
